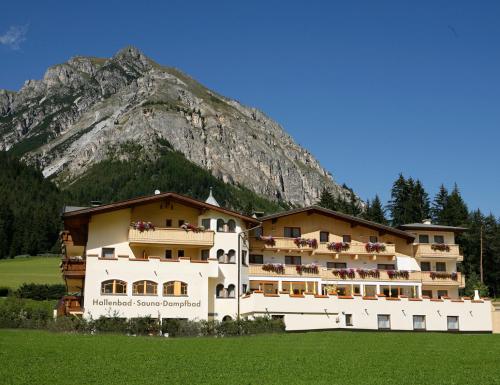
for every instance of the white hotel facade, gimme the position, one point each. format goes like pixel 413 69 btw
pixel 170 256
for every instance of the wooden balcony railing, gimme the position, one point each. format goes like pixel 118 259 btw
pixel 425 250
pixel 334 274
pixel 288 244
pixel 171 236
pixel 73 267
pixel 69 305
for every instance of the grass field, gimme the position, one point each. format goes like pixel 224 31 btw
pixel 39 357
pixel 15 272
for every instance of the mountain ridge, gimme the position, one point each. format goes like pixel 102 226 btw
pixel 68 121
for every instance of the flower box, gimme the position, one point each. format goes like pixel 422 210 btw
pixel 268 240
pixel 309 269
pixel 443 275
pixel 344 273
pixel 142 226
pixel 277 268
pixel 373 273
pixel 375 247
pixel 440 247
pixel 193 228
pixel 338 246
pixel 395 274
pixel 306 242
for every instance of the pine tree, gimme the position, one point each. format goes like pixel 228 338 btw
pixel 374 211
pixel 398 205
pixel 455 212
pixel 439 204
pixel 419 205
pixel 6 230
pixel 327 200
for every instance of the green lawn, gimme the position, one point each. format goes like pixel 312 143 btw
pixel 15 272
pixel 38 357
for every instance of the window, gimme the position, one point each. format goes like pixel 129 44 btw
pixel 175 288
pixel 205 254
pixel 293 260
pixel 168 223
pixel 427 293
pixel 452 322
pixel 423 238
pixel 336 265
pixel 206 223
pixel 386 266
pixel 231 226
pixel 438 239
pixel 231 256
pixel 278 316
pixel 324 236
pixel 220 225
pixel 231 291
pixel 291 232
pixel 348 320
pixel 442 293
pixel 440 266
pixel 220 256
pixel 244 257
pixel 144 288
pixel 114 286
pixel 419 322
pixel 373 239
pixel 181 222
pixel 256 259
pixel 180 253
pixel 108 252
pixel 168 254
pixel 346 238
pixel 425 266
pixel 257 232
pixel 244 288
pixel 384 321
pixel 220 292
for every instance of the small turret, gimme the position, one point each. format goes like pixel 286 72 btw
pixel 211 200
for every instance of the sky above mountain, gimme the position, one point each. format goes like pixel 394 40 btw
pixel 372 89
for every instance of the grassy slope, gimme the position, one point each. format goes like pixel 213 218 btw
pixel 14 272
pixel 326 358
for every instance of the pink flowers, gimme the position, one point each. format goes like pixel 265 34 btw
pixel 338 246
pixel 193 228
pixel 277 268
pixel 443 275
pixel 375 247
pixel 404 274
pixel 373 273
pixel 303 242
pixel 440 247
pixel 142 226
pixel 310 269
pixel 345 273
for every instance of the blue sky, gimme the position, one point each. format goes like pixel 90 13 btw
pixel 371 88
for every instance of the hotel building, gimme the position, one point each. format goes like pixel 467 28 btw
pixel 170 256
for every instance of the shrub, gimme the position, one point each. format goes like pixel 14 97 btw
pixel 145 326
pixel 69 324
pixel 4 291
pixel 109 325
pixel 40 291
pixel 21 313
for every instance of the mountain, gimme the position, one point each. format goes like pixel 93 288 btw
pixel 88 110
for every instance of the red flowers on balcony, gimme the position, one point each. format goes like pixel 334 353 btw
pixel 375 247
pixel 310 269
pixel 338 246
pixel 403 274
pixel 440 247
pixel 344 273
pixel 268 240
pixel 277 268
pixel 443 275
pixel 373 273
pixel 142 226
pixel 303 242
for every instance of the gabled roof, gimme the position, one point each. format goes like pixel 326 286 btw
pixel 345 217
pixel 151 199
pixel 431 227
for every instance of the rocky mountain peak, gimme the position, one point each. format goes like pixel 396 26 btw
pixel 70 119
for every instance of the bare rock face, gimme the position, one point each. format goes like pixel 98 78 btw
pixel 71 118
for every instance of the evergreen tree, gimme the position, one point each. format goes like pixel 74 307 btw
pixel 439 204
pixel 327 200
pixel 419 205
pixel 374 211
pixel 455 211
pixel 6 230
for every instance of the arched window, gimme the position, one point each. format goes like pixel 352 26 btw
pixel 175 288
pixel 231 291
pixel 220 292
pixel 231 226
pixel 231 256
pixel 114 286
pixel 220 225
pixel 144 288
pixel 220 256
pixel 227 318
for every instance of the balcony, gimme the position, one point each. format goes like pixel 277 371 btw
pixel 288 245
pixel 73 268
pixel 70 305
pixel 335 274
pixel 440 278
pixel 426 250
pixel 171 236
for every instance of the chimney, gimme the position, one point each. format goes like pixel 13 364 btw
pixel 157 192
pixel 427 221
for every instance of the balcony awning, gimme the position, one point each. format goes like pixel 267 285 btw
pixel 407 263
